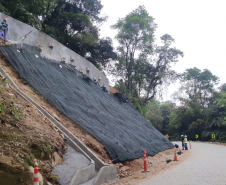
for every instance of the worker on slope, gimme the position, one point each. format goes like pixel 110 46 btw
pixel 4 28
pixel 182 140
pixel 185 142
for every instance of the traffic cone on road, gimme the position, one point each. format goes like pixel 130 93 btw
pixel 145 163
pixel 190 144
pixel 175 156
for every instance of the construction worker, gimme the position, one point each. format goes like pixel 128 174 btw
pixel 182 140
pixel 185 142
pixel 4 28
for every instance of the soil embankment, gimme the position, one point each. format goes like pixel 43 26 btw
pixel 26 139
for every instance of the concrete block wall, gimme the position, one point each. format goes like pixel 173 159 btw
pixel 17 30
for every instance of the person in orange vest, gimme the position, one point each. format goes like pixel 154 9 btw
pixel 4 29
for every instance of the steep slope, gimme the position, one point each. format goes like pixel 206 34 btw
pixel 27 138
pixel 118 126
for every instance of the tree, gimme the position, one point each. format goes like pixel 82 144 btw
pixel 75 24
pixel 137 66
pixel 135 34
pixel 199 84
pixel 202 110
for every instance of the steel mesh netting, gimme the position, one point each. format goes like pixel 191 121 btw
pixel 123 131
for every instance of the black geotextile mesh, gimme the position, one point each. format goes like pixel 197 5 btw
pixel 123 131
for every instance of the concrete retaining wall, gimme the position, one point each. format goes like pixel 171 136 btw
pixel 106 174
pixel 83 175
pixel 18 29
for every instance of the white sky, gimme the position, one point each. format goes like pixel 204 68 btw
pixel 198 26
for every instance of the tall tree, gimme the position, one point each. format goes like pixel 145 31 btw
pixel 135 34
pixel 141 65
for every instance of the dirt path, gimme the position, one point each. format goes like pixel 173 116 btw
pixel 156 164
pixel 206 166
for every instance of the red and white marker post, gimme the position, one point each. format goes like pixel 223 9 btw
pixel 145 163
pixel 36 180
pixel 175 156
pixel 190 144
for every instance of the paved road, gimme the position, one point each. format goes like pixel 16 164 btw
pixel 206 166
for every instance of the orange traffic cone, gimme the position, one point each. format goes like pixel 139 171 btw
pixel 190 144
pixel 175 156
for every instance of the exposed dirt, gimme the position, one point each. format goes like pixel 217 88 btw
pixel 26 135
pixel 131 171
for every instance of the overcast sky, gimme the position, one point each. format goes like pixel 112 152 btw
pixel 198 27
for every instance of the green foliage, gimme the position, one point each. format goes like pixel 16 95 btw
pixel 17 112
pixel 2 107
pixel 29 160
pixel 46 148
pixel 73 23
pixel 154 115
pixel 202 109
pixel 141 66
pixel 222 99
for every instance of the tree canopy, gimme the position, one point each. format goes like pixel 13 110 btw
pixel 73 23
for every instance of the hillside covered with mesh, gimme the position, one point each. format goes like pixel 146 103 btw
pixel 123 131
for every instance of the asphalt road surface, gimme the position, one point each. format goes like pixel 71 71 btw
pixel 205 166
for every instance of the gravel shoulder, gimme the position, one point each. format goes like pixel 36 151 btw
pixel 156 164
pixel 206 165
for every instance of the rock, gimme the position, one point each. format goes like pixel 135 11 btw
pixel 45 156
pixel 56 159
pixel 40 179
pixel 119 165
pixel 124 168
pixel 9 165
pixel 7 86
pixel 7 125
pixel 65 149
pixel 62 135
pixel 45 170
pixel 36 162
pixel 53 177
